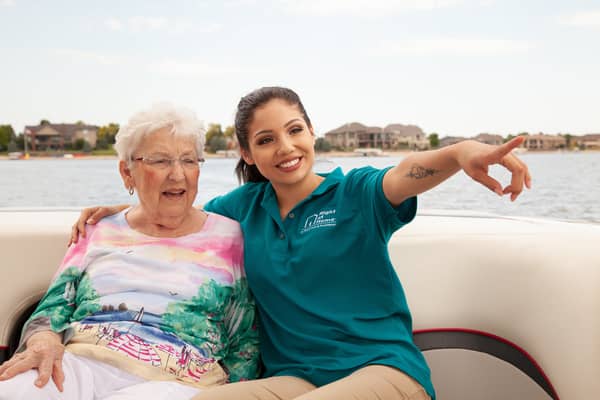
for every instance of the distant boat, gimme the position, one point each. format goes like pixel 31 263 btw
pixel 368 152
pixel 15 155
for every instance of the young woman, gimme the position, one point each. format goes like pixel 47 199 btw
pixel 334 321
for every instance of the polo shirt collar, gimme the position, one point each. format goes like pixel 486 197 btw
pixel 332 179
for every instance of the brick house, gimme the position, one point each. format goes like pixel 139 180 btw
pixel 544 142
pixel 47 136
pixel 356 135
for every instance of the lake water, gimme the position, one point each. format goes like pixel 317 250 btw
pixel 565 185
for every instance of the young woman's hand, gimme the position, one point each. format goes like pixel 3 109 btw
pixel 91 215
pixel 44 352
pixel 475 158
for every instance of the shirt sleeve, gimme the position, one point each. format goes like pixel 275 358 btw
pixel 365 186
pixel 235 204
pixel 242 359
pixel 56 308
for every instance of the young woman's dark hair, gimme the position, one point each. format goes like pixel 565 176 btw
pixel 243 118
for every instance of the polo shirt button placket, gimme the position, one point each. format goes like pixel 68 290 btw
pixel 291 215
pixel 281 235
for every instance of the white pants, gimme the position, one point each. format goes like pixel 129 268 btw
pixel 87 379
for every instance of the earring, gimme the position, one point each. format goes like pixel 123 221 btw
pixel 130 190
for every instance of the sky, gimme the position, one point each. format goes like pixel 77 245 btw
pixel 454 67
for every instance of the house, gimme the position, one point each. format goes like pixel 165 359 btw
pixel 542 141
pixel 356 135
pixel 410 136
pixel 448 140
pixel 487 138
pixel 48 136
pixel 590 141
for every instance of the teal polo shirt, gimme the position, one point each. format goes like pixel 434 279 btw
pixel 328 298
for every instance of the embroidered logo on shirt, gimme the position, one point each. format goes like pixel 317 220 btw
pixel 323 219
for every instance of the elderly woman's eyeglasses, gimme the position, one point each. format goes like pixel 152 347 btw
pixel 166 163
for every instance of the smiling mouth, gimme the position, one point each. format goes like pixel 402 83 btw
pixel 174 194
pixel 289 164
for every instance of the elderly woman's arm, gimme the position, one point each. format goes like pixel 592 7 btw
pixel 242 358
pixel 48 327
pixel 44 352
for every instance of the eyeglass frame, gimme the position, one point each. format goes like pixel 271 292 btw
pixel 153 162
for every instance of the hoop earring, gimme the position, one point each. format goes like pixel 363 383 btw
pixel 130 191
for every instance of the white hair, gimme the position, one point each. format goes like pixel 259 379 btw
pixel 181 120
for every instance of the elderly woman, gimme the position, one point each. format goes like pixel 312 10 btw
pixel 154 302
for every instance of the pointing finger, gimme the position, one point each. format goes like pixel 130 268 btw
pixel 507 147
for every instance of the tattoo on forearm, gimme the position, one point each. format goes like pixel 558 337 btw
pixel 419 172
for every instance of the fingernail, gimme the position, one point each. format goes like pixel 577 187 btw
pixel 89 221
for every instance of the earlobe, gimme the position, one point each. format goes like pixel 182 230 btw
pixel 126 175
pixel 247 157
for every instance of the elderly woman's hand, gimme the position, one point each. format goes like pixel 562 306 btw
pixel 44 352
pixel 91 215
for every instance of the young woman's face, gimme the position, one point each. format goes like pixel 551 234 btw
pixel 281 144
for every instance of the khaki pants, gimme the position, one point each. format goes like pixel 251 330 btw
pixel 374 382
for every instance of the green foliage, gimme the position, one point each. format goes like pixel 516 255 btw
pixel 86 299
pixel 197 319
pixel 229 132
pixel 213 130
pixel 434 140
pixel 44 122
pixel 322 145
pixel 20 141
pixel 106 136
pixel 104 152
pixel 569 140
pixel 215 138
pixel 217 143
pixel 57 303
pixel 78 144
pixel 7 134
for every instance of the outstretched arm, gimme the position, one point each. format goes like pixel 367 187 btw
pixel 420 172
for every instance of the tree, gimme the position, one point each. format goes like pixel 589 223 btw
pixel 79 144
pixel 213 130
pixel 322 145
pixel 217 143
pixel 44 122
pixel 106 135
pixel 7 134
pixel 20 141
pixel 229 132
pixel 569 140
pixel 434 140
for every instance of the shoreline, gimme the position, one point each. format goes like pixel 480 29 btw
pixel 320 155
